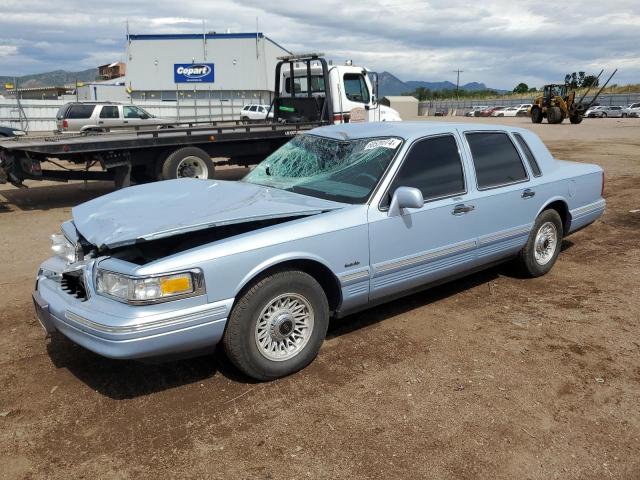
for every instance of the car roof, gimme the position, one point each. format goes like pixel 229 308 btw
pixel 406 130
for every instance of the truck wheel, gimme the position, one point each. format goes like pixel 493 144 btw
pixel 536 115
pixel 188 162
pixel 576 119
pixel 554 115
pixel 543 246
pixel 277 326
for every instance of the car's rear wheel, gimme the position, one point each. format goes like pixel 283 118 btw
pixel 604 115
pixel 188 162
pixel 543 246
pixel 277 326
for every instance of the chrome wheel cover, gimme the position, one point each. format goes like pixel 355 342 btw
pixel 546 243
pixel 192 167
pixel 284 327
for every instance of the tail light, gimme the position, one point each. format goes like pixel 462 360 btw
pixel 65 124
pixel 602 190
pixel 337 117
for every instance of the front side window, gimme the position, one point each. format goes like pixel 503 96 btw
pixel 135 112
pixel 109 112
pixel 496 159
pixel 332 169
pixel 432 165
pixel 355 88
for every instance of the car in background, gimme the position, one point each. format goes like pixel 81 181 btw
pixel 488 111
pixel 101 116
pixel 633 110
pixel 7 132
pixel 255 112
pixel 475 111
pixel 496 111
pixel 604 111
pixel 505 112
pixel 337 220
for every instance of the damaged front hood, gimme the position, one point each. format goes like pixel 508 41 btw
pixel 162 209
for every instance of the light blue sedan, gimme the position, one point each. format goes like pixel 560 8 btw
pixel 335 221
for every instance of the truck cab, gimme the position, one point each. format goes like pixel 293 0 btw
pixel 331 93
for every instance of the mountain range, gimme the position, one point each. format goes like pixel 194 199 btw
pixel 57 78
pixel 389 84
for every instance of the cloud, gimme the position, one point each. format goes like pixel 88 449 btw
pixel 500 43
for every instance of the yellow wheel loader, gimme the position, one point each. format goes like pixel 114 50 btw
pixel 557 103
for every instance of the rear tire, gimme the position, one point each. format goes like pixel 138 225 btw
pixel 554 115
pixel 188 162
pixel 536 115
pixel 277 326
pixel 576 119
pixel 604 115
pixel 543 246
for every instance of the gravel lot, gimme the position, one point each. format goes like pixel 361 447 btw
pixel 491 377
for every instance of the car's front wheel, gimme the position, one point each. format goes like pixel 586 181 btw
pixel 277 326
pixel 543 246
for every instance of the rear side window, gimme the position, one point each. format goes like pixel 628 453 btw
pixel 432 165
pixel 80 111
pixel 535 168
pixel 109 112
pixel 496 159
pixel 253 108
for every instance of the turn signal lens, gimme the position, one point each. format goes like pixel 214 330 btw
pixel 176 284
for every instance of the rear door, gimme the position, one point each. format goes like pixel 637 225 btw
pixel 109 116
pixel 426 244
pixel 506 199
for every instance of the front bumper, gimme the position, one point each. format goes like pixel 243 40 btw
pixel 117 330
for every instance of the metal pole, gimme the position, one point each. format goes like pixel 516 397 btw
pixel 458 72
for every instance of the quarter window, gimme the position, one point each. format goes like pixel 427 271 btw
pixel 496 159
pixel 355 88
pixel 535 168
pixel 109 112
pixel 80 111
pixel 432 165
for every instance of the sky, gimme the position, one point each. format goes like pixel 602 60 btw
pixel 500 43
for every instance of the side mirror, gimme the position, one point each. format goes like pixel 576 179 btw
pixel 405 197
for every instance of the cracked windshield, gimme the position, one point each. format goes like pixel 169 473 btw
pixel 340 170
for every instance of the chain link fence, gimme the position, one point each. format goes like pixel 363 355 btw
pixel 461 107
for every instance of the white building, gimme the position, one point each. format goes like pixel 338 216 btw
pixel 220 66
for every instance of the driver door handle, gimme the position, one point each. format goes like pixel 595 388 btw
pixel 461 209
pixel 528 193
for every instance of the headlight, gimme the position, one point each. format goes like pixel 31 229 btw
pixel 63 248
pixel 149 289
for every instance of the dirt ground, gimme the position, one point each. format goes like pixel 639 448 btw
pixel 489 377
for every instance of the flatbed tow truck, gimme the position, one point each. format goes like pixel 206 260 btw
pixel 320 94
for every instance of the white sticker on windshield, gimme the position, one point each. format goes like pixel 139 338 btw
pixel 386 143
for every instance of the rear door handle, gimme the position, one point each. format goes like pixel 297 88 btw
pixel 528 193
pixel 461 209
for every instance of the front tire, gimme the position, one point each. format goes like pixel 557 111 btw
pixel 277 326
pixel 543 246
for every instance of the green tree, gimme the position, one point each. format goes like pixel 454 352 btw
pixel 521 88
pixel 590 81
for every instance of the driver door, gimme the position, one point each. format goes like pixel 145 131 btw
pixel 426 244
